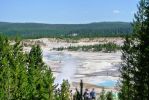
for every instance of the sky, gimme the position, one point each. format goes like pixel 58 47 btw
pixel 67 11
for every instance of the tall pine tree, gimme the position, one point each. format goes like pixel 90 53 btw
pixel 13 76
pixel 126 71
pixel 40 77
pixel 135 71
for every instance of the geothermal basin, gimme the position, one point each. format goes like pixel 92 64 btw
pixel 95 68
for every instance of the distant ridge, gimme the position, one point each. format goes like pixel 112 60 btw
pixel 37 30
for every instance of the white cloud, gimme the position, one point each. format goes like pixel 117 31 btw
pixel 116 11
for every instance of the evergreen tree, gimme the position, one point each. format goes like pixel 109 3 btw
pixel 126 71
pixel 13 77
pixel 135 73
pixel 48 84
pixel 4 67
pixel 40 77
pixel 24 77
pixel 102 95
pixel 109 96
pixel 19 71
pixel 65 94
pixel 6 81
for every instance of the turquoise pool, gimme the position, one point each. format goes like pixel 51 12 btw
pixel 107 83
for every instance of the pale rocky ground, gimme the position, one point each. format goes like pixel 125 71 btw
pixel 92 67
pixel 55 43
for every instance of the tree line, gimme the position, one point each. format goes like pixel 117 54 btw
pixel 107 48
pixel 37 30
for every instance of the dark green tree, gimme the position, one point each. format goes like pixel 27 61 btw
pixel 109 96
pixel 126 70
pixel 79 94
pixel 135 85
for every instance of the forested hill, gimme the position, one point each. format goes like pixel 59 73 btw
pixel 38 30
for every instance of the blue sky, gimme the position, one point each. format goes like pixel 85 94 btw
pixel 67 11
